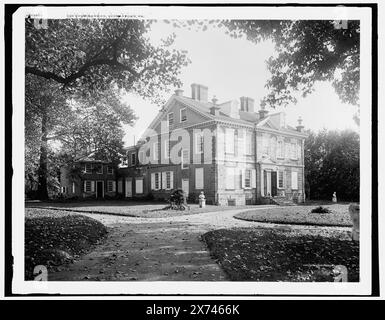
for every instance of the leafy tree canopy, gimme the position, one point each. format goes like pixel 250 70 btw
pixel 91 54
pixel 307 51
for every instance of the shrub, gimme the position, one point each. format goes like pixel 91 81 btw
pixel 320 209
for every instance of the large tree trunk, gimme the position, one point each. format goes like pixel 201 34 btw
pixel 42 189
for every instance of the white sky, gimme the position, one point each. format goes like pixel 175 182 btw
pixel 232 68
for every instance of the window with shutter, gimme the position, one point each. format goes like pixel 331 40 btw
pixel 157 181
pixel 170 119
pixel 199 178
pixel 88 186
pixel 247 178
pixel 88 168
pixel 280 179
pixel 110 186
pixel 199 142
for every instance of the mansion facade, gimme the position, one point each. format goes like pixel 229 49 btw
pixel 233 153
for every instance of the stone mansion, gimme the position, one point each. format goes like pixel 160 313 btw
pixel 235 154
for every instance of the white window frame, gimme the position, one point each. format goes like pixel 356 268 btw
pixel 168 119
pixel 86 186
pixel 185 165
pixel 90 168
pixel 110 170
pixel 180 114
pixel 168 180
pixel 101 167
pixel 157 180
pixel 110 185
pixel 283 179
pixel 155 149
pixel 199 143
pixel 293 151
pixel 250 174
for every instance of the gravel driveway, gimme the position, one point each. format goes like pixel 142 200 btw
pixel 149 249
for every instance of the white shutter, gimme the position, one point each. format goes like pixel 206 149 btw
pixel 243 171
pixel 113 186
pixel 84 189
pixel 199 178
pixel 92 186
pixel 171 180
pixel 152 181
pixel 120 186
pixel 164 181
pixel 253 178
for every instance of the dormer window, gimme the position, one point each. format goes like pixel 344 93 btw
pixel 183 115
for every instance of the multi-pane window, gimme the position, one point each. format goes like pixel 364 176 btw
pixel 293 150
pixel 185 158
pixel 88 185
pixel 88 168
pixel 280 179
pixel 110 170
pixel 156 151
pixel 99 169
pixel 247 178
pixel 133 159
pixel 157 181
pixel 249 143
pixel 168 180
pixel 229 141
pixel 183 115
pixel 110 186
pixel 170 119
pixel 281 149
pixel 199 142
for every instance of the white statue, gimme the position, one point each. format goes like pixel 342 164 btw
pixel 202 200
pixel 334 199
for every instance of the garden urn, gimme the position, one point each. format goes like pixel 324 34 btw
pixel 354 211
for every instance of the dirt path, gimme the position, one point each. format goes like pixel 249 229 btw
pixel 149 249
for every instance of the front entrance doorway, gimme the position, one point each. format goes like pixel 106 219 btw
pixel 99 189
pixel 270 183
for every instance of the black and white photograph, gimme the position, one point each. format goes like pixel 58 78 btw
pixel 202 150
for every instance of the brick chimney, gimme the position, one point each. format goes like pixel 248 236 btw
pixel 214 110
pixel 199 92
pixel 300 126
pixel 247 104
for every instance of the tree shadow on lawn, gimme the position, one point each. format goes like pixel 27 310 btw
pixel 146 252
pixel 282 255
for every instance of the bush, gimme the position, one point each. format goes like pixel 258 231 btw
pixel 320 209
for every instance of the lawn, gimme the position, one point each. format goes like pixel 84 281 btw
pixel 339 215
pixel 55 237
pixel 283 254
pixel 128 208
